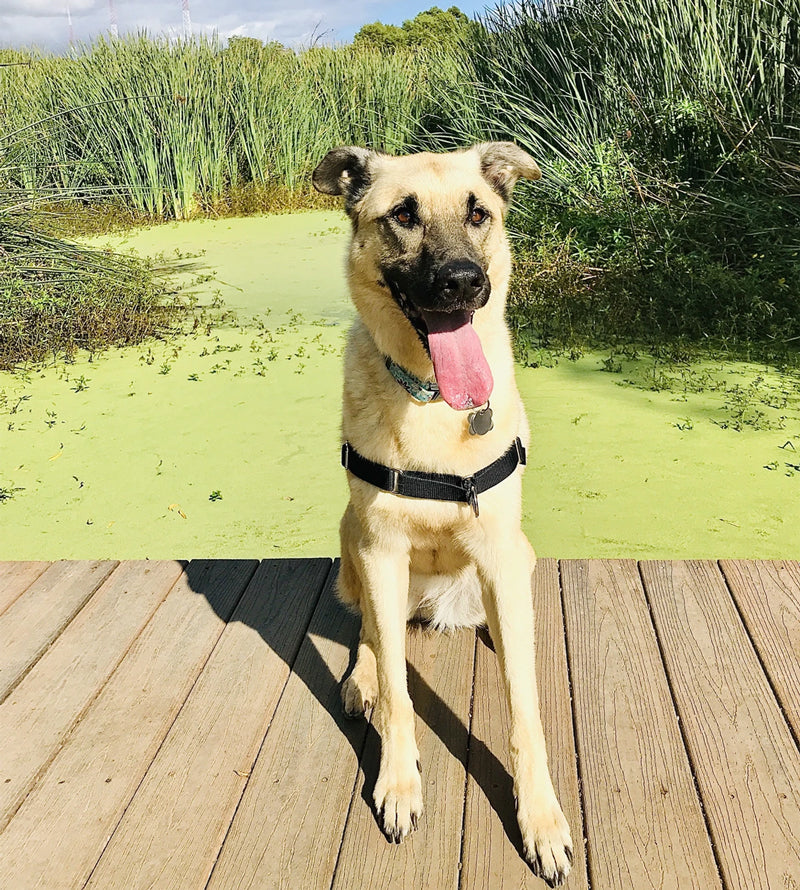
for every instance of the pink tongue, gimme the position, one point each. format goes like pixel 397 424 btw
pixel 462 372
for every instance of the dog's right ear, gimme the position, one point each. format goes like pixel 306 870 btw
pixel 344 171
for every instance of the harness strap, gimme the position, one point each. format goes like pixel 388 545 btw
pixel 435 486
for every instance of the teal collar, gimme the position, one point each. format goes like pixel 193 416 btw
pixel 416 388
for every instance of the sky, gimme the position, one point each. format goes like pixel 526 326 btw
pixel 46 23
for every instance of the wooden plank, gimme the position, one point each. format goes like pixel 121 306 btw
pixel 169 836
pixel 59 832
pixel 440 683
pixel 289 826
pixel 644 824
pixel 15 578
pixel 768 597
pixel 46 704
pixel 747 766
pixel 29 625
pixel 492 841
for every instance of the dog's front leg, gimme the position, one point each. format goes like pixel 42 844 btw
pixel 504 568
pixel 398 790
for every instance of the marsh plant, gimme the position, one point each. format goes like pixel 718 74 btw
pixel 57 296
pixel 175 128
pixel 668 134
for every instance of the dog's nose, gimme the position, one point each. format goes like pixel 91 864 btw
pixel 460 281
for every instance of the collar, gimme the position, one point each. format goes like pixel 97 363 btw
pixel 416 388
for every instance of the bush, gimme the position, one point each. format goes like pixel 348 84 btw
pixel 667 134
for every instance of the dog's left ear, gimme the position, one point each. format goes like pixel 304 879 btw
pixel 503 163
pixel 344 171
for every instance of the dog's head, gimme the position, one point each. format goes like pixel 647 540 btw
pixel 428 233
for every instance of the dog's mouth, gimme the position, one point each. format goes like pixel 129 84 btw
pixel 462 372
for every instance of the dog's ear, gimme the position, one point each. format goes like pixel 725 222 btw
pixel 344 171
pixel 503 163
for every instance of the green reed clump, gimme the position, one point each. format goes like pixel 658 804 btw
pixel 172 128
pixel 668 135
pixel 689 84
pixel 57 297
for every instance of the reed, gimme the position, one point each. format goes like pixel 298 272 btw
pixel 668 134
pixel 57 296
pixel 683 85
pixel 167 127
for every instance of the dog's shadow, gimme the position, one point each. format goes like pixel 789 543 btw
pixel 480 762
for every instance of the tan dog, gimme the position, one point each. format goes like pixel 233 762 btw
pixel 428 269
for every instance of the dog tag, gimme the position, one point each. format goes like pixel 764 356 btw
pixel 480 422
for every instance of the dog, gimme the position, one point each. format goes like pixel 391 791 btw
pixel 434 437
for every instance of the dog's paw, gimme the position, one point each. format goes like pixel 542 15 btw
pixel 359 694
pixel 398 802
pixel 546 843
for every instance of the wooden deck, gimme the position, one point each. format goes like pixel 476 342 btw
pixel 175 726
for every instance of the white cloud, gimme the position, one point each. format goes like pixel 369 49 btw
pixel 48 8
pixel 44 23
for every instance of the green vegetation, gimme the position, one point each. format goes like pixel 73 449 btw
pixel 668 135
pixel 631 455
pixel 173 130
pixel 433 28
pixel 146 130
pixel 57 297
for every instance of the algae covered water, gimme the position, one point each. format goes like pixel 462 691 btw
pixel 226 444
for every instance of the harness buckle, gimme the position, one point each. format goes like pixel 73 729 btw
pixel 521 456
pixel 472 494
pixel 395 481
pixel 346 455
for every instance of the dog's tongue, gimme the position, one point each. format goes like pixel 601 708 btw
pixel 462 372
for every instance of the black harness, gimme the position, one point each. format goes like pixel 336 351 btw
pixel 435 486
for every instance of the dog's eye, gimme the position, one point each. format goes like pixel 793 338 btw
pixel 477 216
pixel 404 216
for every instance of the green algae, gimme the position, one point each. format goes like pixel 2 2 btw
pixel 620 470
pixel 225 444
pixel 280 264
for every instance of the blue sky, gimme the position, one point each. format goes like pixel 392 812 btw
pixel 45 23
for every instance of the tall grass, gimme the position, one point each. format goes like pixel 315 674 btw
pixel 169 126
pixel 668 133
pixel 692 84
pixel 57 296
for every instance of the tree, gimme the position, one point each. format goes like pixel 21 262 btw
pixel 252 49
pixel 436 26
pixel 380 36
pixel 433 27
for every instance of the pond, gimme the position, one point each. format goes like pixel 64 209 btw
pixel 226 444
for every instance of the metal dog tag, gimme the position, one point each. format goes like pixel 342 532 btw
pixel 480 422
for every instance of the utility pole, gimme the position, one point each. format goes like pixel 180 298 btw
pixel 187 21
pixel 69 23
pixel 112 18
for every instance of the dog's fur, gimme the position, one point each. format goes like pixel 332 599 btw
pixel 404 557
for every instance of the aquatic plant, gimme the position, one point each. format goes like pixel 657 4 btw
pixel 668 138
pixel 668 134
pixel 57 296
pixel 170 128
